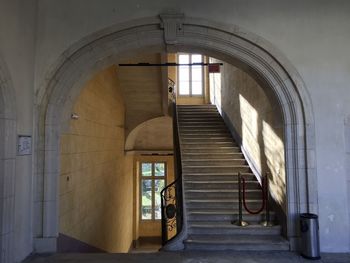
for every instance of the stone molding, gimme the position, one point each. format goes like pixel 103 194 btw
pixel 7 164
pixel 232 44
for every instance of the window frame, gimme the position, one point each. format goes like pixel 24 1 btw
pixel 153 178
pixel 190 76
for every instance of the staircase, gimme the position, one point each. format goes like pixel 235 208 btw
pixel 211 161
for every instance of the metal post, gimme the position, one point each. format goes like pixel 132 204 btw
pixel 240 221
pixel 267 222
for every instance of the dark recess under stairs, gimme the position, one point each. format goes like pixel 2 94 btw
pixel 211 160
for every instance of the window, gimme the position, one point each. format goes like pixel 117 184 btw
pixel 190 77
pixel 153 175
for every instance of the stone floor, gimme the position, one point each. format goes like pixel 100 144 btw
pixel 187 257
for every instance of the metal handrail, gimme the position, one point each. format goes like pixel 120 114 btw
pixel 171 195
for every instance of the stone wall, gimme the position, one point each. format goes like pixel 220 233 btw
pixel 96 178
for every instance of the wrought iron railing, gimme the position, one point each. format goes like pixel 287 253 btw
pixel 172 208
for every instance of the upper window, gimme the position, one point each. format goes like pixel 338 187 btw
pixel 153 175
pixel 190 77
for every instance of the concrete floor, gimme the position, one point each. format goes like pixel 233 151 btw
pixel 187 257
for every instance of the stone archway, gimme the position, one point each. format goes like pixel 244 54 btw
pixel 177 33
pixel 7 164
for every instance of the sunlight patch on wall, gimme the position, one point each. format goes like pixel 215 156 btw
pixel 274 152
pixel 250 130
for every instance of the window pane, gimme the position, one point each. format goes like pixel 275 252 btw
pixel 146 169
pixel 197 88
pixel 159 169
pixel 146 205
pixel 158 187
pixel 184 59
pixel 184 73
pixel 197 73
pixel 196 58
pixel 184 88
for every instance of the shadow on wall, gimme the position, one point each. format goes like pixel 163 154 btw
pixel 258 123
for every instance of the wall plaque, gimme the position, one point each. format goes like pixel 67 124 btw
pixel 24 145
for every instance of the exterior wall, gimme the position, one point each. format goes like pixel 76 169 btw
pixel 257 120
pixel 96 178
pixel 301 30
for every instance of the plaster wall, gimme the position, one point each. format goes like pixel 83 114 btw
pixel 314 35
pixel 17 46
pixel 141 89
pixel 96 179
pixel 155 134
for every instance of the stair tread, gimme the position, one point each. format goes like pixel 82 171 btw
pixel 196 211
pixel 219 190
pixel 227 224
pixel 217 181
pixel 236 239
pixel 221 200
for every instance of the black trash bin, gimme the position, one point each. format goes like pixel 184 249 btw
pixel 310 242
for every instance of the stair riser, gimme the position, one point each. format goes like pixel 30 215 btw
pixel 211 151
pixel 229 217
pixel 191 156
pixel 221 195
pixel 236 247
pixel 211 169
pixel 208 145
pixel 224 186
pixel 235 231
pixel 217 205
pixel 211 177
pixel 207 139
pixel 216 162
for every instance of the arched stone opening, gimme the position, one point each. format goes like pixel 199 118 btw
pixel 7 164
pixel 176 33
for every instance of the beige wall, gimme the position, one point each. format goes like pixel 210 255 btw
pixel 142 90
pixel 257 119
pixel 145 228
pixel 155 134
pixel 96 181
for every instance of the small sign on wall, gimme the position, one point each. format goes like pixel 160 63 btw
pixel 24 145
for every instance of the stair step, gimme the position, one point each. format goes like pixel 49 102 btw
pixel 215 177
pixel 205 139
pixel 196 155
pixel 236 243
pixel 225 215
pixel 197 183
pixel 222 203
pixel 222 194
pixel 215 161
pixel 226 228
pixel 215 168
pixel 211 150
